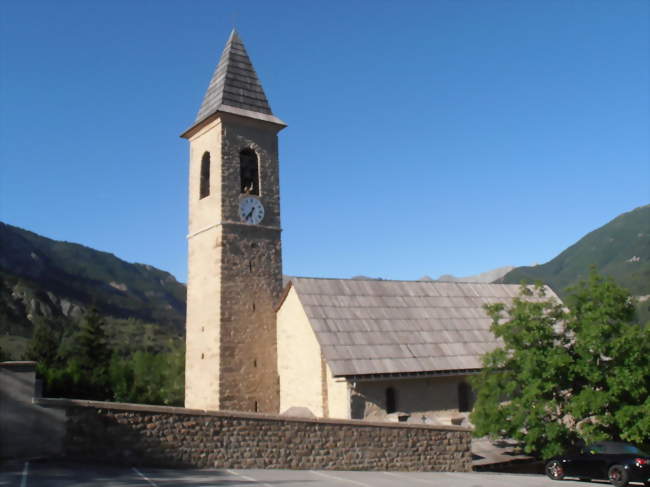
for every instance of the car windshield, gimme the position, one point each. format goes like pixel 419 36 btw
pixel 631 449
pixel 619 448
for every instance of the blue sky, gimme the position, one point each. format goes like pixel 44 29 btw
pixel 425 137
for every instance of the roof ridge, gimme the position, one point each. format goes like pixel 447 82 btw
pixel 370 279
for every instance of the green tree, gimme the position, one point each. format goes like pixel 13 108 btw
pixel 150 378
pixel 86 360
pixel 43 348
pixel 83 364
pixel 90 347
pixel 564 374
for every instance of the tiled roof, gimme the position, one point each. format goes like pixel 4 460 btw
pixel 234 83
pixel 392 327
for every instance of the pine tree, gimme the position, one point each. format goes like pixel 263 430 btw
pixel 44 345
pixel 86 372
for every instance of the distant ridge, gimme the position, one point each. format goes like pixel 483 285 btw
pixel 488 276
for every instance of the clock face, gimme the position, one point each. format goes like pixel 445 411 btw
pixel 251 210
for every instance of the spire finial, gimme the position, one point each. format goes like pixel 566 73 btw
pixel 234 21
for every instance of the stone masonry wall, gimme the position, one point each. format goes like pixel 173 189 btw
pixel 166 436
pixel 250 273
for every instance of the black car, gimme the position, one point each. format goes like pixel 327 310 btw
pixel 618 462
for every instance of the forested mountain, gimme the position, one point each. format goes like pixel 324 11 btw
pixel 43 280
pixel 620 249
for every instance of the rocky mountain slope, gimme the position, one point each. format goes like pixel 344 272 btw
pixel 46 279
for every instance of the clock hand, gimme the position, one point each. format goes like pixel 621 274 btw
pixel 250 213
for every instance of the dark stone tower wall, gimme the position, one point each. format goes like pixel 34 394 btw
pixel 251 275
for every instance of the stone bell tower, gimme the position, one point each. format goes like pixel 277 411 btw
pixel 234 248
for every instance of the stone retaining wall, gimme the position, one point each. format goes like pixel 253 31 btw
pixel 167 436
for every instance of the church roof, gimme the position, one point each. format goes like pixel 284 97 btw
pixel 234 83
pixel 367 327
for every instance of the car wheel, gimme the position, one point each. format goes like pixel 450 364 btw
pixel 618 476
pixel 555 470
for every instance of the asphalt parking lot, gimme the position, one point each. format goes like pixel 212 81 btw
pixel 57 474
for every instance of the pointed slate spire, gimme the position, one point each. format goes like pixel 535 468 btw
pixel 234 83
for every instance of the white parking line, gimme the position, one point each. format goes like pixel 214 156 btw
pixel 148 480
pixel 486 480
pixel 246 477
pixel 343 479
pixel 23 480
pixel 410 479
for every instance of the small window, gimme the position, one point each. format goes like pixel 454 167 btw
pixel 204 189
pixel 391 400
pixel 464 397
pixel 357 406
pixel 249 172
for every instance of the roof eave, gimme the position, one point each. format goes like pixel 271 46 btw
pixel 407 375
pixel 240 112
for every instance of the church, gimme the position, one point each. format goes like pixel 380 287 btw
pixel 375 350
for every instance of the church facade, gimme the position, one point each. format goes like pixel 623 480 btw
pixel 331 348
pixel 384 350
